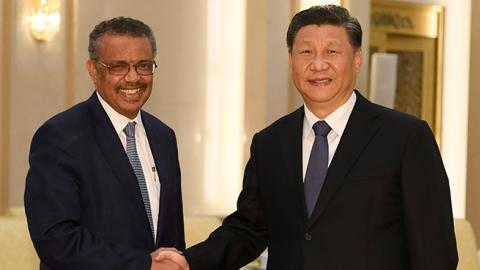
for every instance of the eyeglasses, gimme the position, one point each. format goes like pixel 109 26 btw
pixel 143 68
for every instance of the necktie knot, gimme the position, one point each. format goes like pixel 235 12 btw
pixel 321 128
pixel 130 129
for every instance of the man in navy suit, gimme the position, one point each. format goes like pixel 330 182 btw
pixel 385 200
pixel 103 189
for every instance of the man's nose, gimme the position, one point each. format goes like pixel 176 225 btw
pixel 132 75
pixel 318 63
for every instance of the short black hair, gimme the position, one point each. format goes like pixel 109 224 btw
pixel 326 14
pixel 119 26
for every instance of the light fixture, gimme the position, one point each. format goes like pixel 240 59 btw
pixel 44 18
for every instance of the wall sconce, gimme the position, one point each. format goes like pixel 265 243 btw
pixel 44 18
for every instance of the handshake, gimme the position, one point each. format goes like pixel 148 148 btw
pixel 168 259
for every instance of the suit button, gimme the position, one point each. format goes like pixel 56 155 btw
pixel 307 236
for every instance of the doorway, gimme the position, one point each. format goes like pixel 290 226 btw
pixel 413 33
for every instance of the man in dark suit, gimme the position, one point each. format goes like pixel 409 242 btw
pixel 103 189
pixel 384 202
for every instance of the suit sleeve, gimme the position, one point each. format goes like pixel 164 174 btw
pixel 242 236
pixel 52 205
pixel 426 203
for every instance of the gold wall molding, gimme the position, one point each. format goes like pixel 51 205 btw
pixel 392 19
pixel 405 18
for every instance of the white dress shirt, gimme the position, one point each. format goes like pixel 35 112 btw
pixel 144 154
pixel 337 120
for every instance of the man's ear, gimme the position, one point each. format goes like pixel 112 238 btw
pixel 358 60
pixel 92 70
pixel 290 60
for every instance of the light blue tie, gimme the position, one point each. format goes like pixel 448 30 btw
pixel 137 168
pixel 317 165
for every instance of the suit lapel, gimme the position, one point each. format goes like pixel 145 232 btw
pixel 291 144
pixel 112 148
pixel 360 129
pixel 159 147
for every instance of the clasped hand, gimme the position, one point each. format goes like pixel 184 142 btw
pixel 168 259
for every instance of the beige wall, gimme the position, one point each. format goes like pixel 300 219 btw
pixel 277 20
pixel 47 77
pixel 255 70
pixel 266 77
pixel 37 80
pixel 3 109
pixel 179 96
pixel 54 73
pixel 40 87
pixel 473 165
pixel 361 10
pixel 179 84
pixel 41 79
pixel 39 69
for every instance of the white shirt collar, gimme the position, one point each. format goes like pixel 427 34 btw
pixel 337 120
pixel 119 121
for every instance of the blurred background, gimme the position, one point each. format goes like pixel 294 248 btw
pixel 223 75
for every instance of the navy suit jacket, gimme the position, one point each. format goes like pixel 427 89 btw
pixel 385 203
pixel 83 204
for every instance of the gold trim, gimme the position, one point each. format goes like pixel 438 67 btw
pixel 5 104
pixel 405 18
pixel 439 83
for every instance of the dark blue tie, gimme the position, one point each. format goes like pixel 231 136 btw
pixel 317 165
pixel 137 169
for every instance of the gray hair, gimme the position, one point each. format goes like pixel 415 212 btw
pixel 119 26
